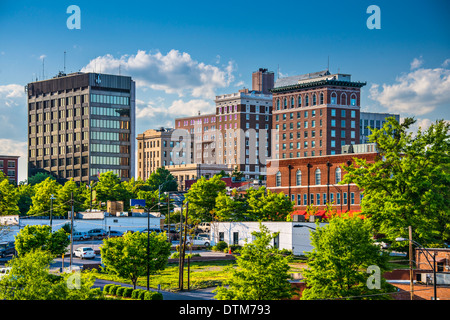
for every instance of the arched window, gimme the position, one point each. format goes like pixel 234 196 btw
pixel 314 102
pixel 278 179
pixel 321 98
pixel 333 98
pixel 306 100
pixel 318 176
pixel 353 99
pixel 299 101
pixel 298 177
pixel 292 102
pixel 343 99
pixel 338 175
pixel 285 103
pixel 278 104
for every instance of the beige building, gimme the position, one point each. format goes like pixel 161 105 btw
pixel 183 172
pixel 154 151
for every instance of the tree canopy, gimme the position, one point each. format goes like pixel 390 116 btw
pixel 409 185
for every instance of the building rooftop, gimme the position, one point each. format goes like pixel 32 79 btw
pixel 314 79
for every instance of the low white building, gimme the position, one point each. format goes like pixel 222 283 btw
pixel 293 236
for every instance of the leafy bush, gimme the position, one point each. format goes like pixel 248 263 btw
pixel 152 295
pixel 234 248
pixel 141 294
pixel 107 288
pixel 220 246
pixel 113 289
pixel 127 292
pixel 119 291
pixel 135 293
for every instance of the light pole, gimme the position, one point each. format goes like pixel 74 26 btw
pixel 425 253
pixel 148 247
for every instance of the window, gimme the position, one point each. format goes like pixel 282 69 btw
pixel 278 179
pixel 314 102
pixel 298 178
pixel 299 101
pixel 299 199
pixel 345 197
pixel 318 176
pixel 333 98
pixel 306 100
pixel 352 198
pixel 321 98
pixel 338 175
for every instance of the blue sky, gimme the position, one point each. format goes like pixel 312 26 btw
pixel 184 53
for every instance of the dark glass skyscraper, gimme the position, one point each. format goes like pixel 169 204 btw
pixel 80 125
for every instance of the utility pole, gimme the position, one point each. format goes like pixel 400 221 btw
pixel 71 231
pixel 411 282
pixel 183 249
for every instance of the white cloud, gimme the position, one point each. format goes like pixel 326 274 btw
pixel 416 63
pixel 446 63
pixel 178 108
pixel 418 92
pixel 176 72
pixel 13 112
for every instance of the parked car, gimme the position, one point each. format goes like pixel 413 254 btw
pixel 96 234
pixel 204 226
pixel 7 248
pixel 80 236
pixel 84 253
pixel 198 241
pixel 151 230
pixel 114 233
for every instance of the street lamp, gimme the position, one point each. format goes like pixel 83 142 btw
pixel 52 197
pixel 425 253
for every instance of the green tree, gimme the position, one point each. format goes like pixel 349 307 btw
pixel 41 199
pixel 29 279
pixel 261 273
pixel 337 266
pixel 162 177
pixel 8 197
pixel 126 256
pixel 33 237
pixel 63 198
pixel 39 177
pixel 109 187
pixel 237 174
pixel 231 207
pixel 265 205
pixel 25 193
pixel 409 183
pixel 202 198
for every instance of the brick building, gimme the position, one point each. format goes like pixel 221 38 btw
pixel 315 180
pixel 315 114
pixel 9 165
pixel 238 133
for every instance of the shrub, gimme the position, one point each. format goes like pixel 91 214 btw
pixel 151 295
pixel 220 246
pixel 119 291
pixel 113 289
pixel 235 248
pixel 175 255
pixel 107 288
pixel 141 294
pixel 127 292
pixel 135 293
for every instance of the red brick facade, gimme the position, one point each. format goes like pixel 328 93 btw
pixel 9 165
pixel 314 180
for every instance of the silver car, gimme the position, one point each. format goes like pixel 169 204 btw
pixel 84 253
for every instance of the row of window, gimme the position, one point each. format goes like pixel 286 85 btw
pixel 321 199
pixel 11 164
pixel 317 176
pixel 304 100
pixel 110 99
pixel 58 102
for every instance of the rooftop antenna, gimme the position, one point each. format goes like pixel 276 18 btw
pixel 328 66
pixel 278 72
pixel 64 62
pixel 43 59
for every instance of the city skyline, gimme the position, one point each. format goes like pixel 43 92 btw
pixel 183 55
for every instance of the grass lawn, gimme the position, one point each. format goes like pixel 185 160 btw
pixel 202 275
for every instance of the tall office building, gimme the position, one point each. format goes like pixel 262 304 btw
pixel 262 81
pixel 81 125
pixel 315 114
pixel 372 120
